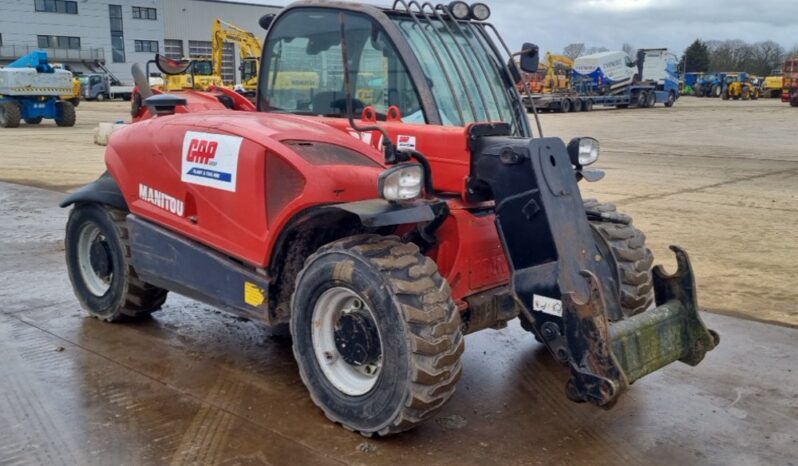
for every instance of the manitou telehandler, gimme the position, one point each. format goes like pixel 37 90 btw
pixel 381 233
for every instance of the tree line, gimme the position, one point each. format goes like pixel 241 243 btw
pixel 759 58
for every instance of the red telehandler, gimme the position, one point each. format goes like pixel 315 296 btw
pixel 383 208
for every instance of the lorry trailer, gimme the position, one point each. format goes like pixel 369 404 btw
pixel 612 79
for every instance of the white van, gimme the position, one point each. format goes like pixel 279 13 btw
pixel 612 70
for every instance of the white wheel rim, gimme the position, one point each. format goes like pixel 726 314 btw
pixel 96 284
pixel 349 379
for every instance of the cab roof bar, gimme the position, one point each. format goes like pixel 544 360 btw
pixel 463 54
pixel 456 22
pixel 437 56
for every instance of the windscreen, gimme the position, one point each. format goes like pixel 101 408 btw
pixel 304 70
pixel 462 69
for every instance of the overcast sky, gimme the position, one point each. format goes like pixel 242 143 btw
pixel 553 24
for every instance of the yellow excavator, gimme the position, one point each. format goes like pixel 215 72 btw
pixel 558 78
pixel 249 47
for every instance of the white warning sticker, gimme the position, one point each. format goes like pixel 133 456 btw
pixel 547 305
pixel 406 142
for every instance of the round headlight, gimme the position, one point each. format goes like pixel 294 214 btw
pixel 401 183
pixel 583 151
pixel 480 11
pixel 459 10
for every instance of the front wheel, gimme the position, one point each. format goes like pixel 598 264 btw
pixel 671 99
pixel 98 262
pixel 100 97
pixel 376 334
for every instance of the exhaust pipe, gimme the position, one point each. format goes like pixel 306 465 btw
pixel 141 80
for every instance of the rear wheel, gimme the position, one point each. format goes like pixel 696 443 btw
pixel 98 262
pixel 716 90
pixel 376 334
pixel 588 105
pixel 577 105
pixel 66 114
pixel 565 106
pixel 652 99
pixel 10 115
pixel 642 99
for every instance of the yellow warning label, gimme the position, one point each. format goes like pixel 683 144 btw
pixel 253 294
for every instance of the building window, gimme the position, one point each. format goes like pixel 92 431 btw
pixel 117 34
pixel 140 12
pixel 57 6
pixel 173 48
pixel 199 49
pixel 58 42
pixel 147 46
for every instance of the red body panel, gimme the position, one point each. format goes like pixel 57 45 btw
pixel 246 223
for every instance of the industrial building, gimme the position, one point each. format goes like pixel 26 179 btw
pixel 95 36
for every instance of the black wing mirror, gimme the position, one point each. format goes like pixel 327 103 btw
pixel 530 58
pixel 265 21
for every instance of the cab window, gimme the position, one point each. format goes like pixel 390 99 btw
pixel 304 72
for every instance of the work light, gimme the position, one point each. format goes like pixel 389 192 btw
pixel 401 183
pixel 480 11
pixel 459 10
pixel 583 151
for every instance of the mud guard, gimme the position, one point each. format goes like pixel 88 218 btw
pixel 380 213
pixel 103 190
pixel 552 252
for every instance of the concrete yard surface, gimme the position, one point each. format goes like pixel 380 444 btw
pixel 194 386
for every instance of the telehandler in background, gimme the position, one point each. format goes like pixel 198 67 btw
pixel 383 233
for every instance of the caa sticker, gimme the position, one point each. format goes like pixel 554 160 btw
pixel 406 142
pixel 210 160
pixel 162 200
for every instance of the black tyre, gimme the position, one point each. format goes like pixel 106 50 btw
pixel 642 99
pixel 33 121
pixel 100 97
pixel 98 262
pixel 726 94
pixel 376 334
pixel 633 260
pixel 66 114
pixel 577 107
pixel 698 91
pixel 10 115
pixel 716 89
pixel 588 105
pixel 565 106
pixel 652 99
pixel 671 99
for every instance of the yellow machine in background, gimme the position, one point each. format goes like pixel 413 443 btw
pixel 558 78
pixel 773 84
pixel 249 47
pixel 738 86
pixel 200 75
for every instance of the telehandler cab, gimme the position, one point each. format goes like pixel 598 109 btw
pixel 396 205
